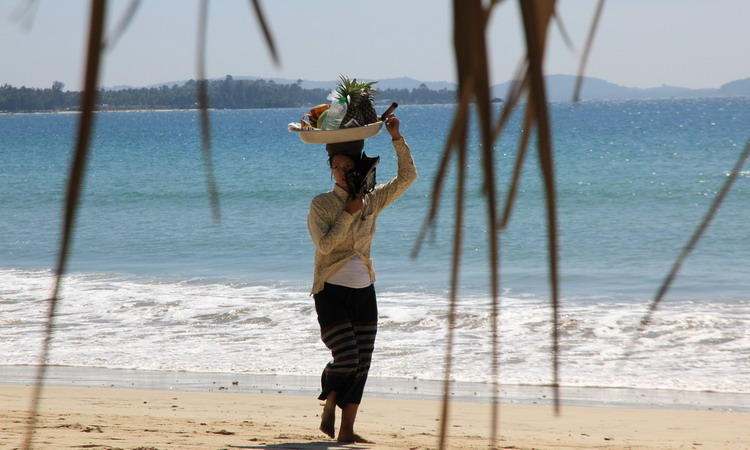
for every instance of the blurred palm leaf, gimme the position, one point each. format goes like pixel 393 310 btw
pixel 96 45
pixel 689 246
pixel 73 194
pixel 25 13
pixel 266 31
pixel 122 25
pixel 587 49
pixel 205 120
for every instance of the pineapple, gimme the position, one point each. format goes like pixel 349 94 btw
pixel 359 100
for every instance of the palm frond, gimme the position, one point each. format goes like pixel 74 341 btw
pixel 25 13
pixel 587 50
pixel 689 246
pixel 72 196
pixel 515 180
pixel 455 265
pixel 459 118
pixel 122 25
pixel 515 89
pixel 266 31
pixel 536 18
pixel 202 100
pixel 563 32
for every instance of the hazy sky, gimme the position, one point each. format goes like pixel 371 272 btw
pixel 641 43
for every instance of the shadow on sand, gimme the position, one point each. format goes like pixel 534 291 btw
pixel 320 445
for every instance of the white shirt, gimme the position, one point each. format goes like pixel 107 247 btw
pixel 353 274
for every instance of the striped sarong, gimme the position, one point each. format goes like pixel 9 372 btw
pixel 348 319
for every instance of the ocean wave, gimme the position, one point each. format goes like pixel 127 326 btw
pixel 114 321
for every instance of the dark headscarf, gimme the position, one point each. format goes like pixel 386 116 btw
pixel 352 149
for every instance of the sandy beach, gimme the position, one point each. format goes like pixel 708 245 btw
pixel 80 417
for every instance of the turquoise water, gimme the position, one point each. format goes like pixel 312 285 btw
pixel 634 179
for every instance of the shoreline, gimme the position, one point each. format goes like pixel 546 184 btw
pixel 381 103
pixel 8 113
pixel 377 387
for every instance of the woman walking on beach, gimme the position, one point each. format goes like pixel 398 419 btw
pixel 342 227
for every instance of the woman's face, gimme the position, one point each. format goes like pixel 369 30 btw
pixel 340 166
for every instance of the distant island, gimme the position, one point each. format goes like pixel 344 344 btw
pixel 227 93
pixel 253 92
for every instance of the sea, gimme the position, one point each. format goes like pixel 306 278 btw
pixel 155 285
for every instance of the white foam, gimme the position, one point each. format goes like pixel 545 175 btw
pixel 195 325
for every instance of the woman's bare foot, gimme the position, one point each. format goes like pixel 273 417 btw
pixel 353 437
pixel 328 422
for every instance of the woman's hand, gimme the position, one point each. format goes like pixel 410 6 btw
pixel 353 205
pixel 391 124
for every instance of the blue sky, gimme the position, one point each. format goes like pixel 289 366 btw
pixel 641 43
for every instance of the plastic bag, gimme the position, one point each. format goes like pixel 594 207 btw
pixel 336 113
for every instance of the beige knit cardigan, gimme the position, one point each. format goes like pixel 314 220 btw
pixel 338 236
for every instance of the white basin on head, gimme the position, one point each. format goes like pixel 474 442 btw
pixel 340 135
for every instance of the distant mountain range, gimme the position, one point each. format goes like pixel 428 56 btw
pixel 559 88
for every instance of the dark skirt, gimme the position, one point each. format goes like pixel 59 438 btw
pixel 348 319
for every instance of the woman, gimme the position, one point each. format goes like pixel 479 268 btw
pixel 342 227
